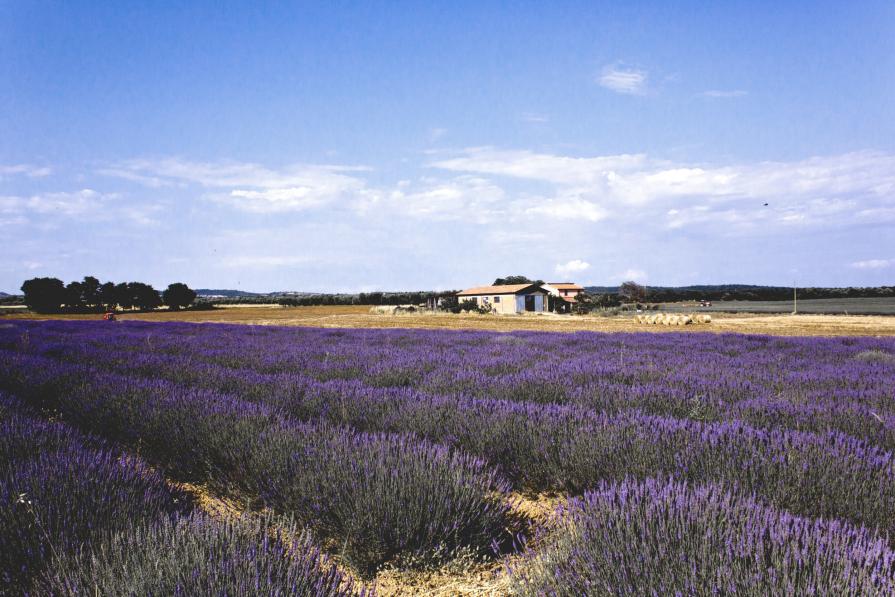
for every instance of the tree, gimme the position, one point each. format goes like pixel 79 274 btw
pixel 632 292
pixel 74 292
pixel 107 295
pixel 90 291
pixel 123 296
pixel 145 297
pixel 44 295
pixel 178 295
pixel 515 280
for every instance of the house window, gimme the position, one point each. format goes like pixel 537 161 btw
pixel 496 299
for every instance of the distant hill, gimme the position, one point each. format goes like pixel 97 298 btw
pixel 747 292
pixel 209 292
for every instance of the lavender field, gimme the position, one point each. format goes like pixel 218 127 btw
pixel 690 463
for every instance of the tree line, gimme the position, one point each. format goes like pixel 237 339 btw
pixel 363 298
pixel 762 293
pixel 51 295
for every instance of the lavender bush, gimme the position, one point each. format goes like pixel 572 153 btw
pixel 199 556
pixel 663 538
pixel 382 497
pixel 56 494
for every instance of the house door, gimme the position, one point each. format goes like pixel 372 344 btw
pixel 529 302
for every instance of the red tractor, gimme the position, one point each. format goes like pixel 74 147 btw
pixel 109 316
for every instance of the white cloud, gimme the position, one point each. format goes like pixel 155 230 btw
pixel 468 198
pixel 539 166
pixel 436 133
pixel 817 191
pixel 874 264
pixel 721 93
pixel 631 274
pixel 251 187
pixel 570 268
pixel 533 117
pixel 28 170
pixel 65 203
pixel 623 80
pixel 567 208
pixel 85 205
pixel 264 261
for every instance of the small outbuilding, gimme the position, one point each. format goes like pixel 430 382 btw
pixel 507 299
pixel 565 292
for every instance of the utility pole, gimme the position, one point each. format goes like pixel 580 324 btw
pixel 795 300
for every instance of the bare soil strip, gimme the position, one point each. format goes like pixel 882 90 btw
pixel 479 579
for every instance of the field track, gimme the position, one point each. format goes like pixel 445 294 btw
pixel 360 317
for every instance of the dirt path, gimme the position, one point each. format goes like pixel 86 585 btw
pixel 462 578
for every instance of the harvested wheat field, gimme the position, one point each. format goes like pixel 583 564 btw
pixel 361 317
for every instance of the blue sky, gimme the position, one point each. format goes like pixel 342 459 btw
pixel 360 146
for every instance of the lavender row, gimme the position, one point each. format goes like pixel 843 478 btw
pixel 379 497
pixel 196 555
pixel 77 518
pixel 664 538
pixel 812 384
pixel 537 446
pixel 56 493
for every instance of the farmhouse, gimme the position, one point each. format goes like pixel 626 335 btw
pixel 567 291
pixel 511 298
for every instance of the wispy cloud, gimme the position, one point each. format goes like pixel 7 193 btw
pixel 28 170
pixel 249 186
pixel 826 190
pixel 571 268
pixel 469 198
pixel 565 207
pixel 436 133
pixel 534 118
pixel 265 261
pixel 620 79
pixel 222 174
pixel 631 274
pixel 539 166
pixel 720 93
pixel 85 205
pixel 62 203
pixel 874 264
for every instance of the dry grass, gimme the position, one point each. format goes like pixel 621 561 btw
pixel 360 317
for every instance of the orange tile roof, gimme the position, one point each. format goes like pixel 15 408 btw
pixel 566 285
pixel 505 289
